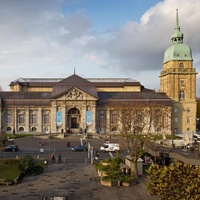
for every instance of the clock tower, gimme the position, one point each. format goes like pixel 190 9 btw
pixel 178 81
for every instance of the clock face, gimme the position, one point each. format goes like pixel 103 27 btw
pixel 9 119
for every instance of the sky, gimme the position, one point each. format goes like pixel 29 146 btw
pixel 97 38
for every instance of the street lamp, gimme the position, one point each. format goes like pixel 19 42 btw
pixel 49 144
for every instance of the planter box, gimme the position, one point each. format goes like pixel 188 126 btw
pixel 105 163
pixel 108 183
pixel 101 173
pixel 128 183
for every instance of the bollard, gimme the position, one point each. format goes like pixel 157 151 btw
pixel 118 183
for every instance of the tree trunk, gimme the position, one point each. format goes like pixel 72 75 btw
pixel 134 169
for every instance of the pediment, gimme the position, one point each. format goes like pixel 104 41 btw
pixel 75 94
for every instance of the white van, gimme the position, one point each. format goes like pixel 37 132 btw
pixel 110 147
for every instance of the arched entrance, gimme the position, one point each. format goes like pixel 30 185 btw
pixel 74 118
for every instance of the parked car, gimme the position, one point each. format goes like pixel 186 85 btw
pixel 79 148
pixel 110 147
pixel 11 148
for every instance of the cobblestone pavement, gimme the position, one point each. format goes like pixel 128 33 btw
pixel 76 180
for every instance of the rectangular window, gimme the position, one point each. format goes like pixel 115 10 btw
pixel 21 118
pixel 46 119
pixel 176 119
pixel 113 119
pixel 33 119
pixel 188 120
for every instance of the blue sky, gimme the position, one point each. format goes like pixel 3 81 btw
pixel 109 13
pixel 100 38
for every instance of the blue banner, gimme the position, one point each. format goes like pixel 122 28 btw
pixel 59 118
pixel 89 118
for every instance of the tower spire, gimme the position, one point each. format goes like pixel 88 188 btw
pixel 74 70
pixel 177 37
pixel 177 21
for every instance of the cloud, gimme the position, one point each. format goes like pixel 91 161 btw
pixel 39 40
pixel 141 46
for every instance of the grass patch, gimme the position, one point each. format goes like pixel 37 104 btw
pixel 9 171
pixel 11 136
pixel 11 168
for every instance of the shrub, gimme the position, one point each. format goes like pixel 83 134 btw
pixel 11 161
pixel 27 164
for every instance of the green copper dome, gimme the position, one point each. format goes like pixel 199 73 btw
pixel 178 50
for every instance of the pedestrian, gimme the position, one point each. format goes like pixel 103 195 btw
pixel 97 153
pixel 68 144
pixel 59 158
pixel 53 158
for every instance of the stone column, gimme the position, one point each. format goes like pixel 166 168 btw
pixel 39 128
pixel 26 128
pixel 63 110
pixel 107 125
pixel 93 109
pixel 53 119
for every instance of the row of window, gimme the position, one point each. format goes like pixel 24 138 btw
pixel 176 110
pixel 21 129
pixel 32 118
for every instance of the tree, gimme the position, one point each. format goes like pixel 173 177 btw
pixel 136 122
pixel 174 182
pixel 3 141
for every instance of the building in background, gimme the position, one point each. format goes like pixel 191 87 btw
pixel 71 104
pixel 82 105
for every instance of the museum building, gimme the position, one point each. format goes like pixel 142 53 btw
pixel 56 105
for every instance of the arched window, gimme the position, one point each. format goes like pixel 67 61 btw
pixel 114 129
pixel 21 129
pixel 74 111
pixel 182 94
pixel 8 128
pixel 33 129
pixel 158 129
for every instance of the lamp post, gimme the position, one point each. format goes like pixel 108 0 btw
pixel 49 144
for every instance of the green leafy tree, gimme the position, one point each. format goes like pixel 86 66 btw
pixel 30 166
pixel 174 182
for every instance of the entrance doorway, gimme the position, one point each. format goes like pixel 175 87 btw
pixel 74 118
pixel 74 122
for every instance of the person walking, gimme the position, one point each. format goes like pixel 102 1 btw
pixel 97 155
pixel 53 158
pixel 68 144
pixel 59 158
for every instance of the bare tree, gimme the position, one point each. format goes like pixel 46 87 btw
pixel 136 122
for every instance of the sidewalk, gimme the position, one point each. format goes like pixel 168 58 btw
pixel 74 181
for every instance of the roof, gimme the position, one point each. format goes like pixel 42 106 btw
pixel 178 50
pixel 74 81
pixel 25 98
pixel 106 98
pixel 50 82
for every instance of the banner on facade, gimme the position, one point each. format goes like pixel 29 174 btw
pixel 89 118
pixel 59 118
